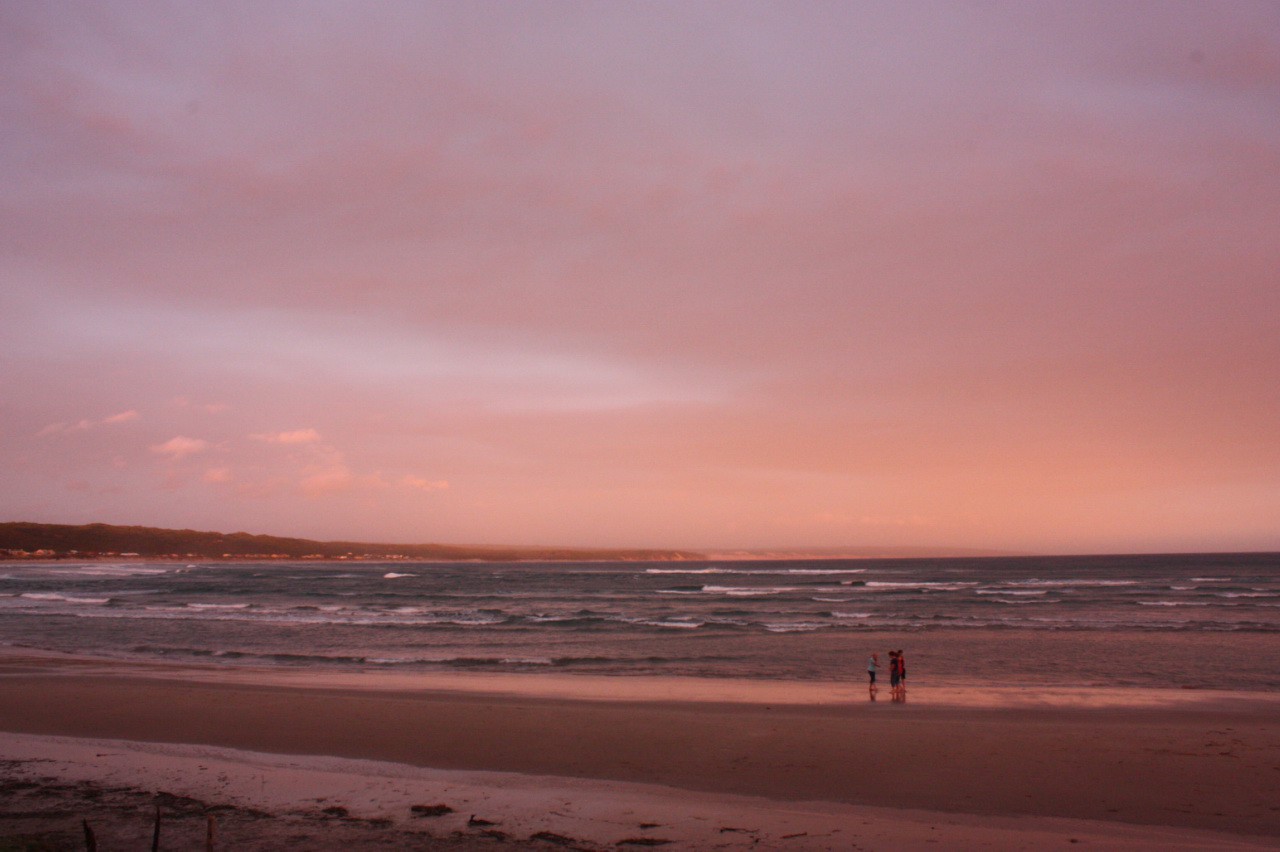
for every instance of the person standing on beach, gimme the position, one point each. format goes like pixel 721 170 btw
pixel 893 673
pixel 902 672
pixel 872 665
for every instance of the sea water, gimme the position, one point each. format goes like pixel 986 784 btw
pixel 1204 621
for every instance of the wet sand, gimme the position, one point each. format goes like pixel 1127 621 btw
pixel 1136 767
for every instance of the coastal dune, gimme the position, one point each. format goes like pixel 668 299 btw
pixel 1204 766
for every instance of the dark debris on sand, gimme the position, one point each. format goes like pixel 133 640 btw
pixel 40 814
pixel 430 810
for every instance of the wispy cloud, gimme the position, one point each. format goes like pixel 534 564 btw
pixel 218 475
pixel 297 436
pixel 183 402
pixel 86 425
pixel 420 484
pixel 179 447
pixel 330 481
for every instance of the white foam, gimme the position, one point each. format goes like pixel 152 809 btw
pixel 756 571
pixel 527 661
pixel 58 596
pixel 1083 583
pixel 114 570
pixel 750 591
pixel 923 585
pixel 794 627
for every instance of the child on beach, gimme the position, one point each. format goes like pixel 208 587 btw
pixel 872 665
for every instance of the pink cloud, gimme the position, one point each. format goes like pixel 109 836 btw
pixel 86 425
pixel 183 402
pixel 297 436
pixel 420 484
pixel 180 447
pixel 330 482
pixel 218 476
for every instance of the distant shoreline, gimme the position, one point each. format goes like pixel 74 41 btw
pixel 31 541
pixel 26 541
pixel 420 560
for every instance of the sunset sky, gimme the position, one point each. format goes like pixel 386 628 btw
pixel 668 274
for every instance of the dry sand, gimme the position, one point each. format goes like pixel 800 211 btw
pixel 702 765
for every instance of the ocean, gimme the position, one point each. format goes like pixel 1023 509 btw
pixel 1183 621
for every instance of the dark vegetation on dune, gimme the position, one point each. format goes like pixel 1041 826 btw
pixel 90 540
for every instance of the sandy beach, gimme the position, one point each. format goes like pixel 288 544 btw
pixel 682 764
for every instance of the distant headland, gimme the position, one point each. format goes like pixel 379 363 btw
pixel 31 541
pixel 23 540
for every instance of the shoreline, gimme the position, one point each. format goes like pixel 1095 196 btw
pixel 1153 762
pixel 641 689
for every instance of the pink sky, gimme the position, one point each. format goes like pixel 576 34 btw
pixel 710 275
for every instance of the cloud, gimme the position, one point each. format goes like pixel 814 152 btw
pixel 319 469
pixel 63 428
pixel 335 480
pixel 417 482
pixel 210 408
pixel 297 436
pixel 179 447
pixel 218 475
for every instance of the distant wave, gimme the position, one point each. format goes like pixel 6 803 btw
pixel 756 571
pixel 421 661
pixel 750 591
pixel 1079 582
pixel 58 596
pixel 97 570
pixel 794 627
pixel 922 585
